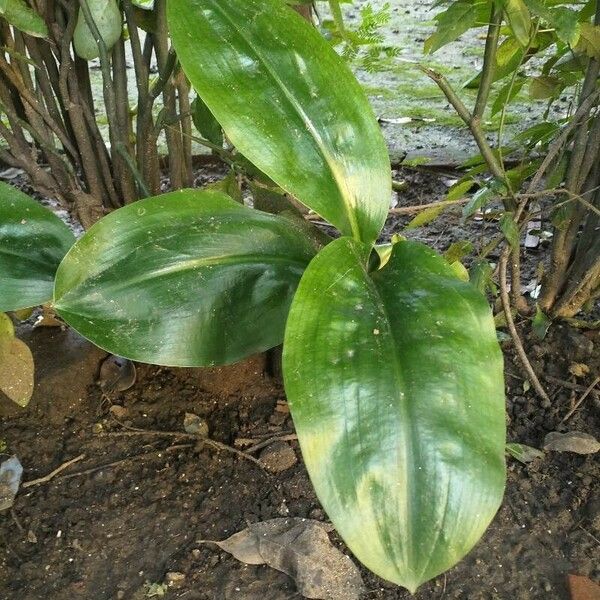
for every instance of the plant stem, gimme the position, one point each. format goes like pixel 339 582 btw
pixel 489 60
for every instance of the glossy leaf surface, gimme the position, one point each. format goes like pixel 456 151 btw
pixel 189 278
pixel 395 385
pixel 33 241
pixel 290 104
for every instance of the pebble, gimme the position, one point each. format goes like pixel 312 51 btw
pixel 278 457
pixel 175 579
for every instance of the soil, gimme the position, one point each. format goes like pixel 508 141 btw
pixel 131 514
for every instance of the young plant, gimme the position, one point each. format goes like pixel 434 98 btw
pixel 556 160
pixel 391 366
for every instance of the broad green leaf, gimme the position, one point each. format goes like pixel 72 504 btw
pixel 589 40
pixel 519 19
pixel 459 17
pixel 395 383
pixel 290 104
pixel 16 371
pixel 23 17
pixel 33 241
pixel 108 20
pixel 544 86
pixel 205 122
pixel 189 278
pixel 563 19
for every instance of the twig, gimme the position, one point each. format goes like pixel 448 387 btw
pixel 132 431
pixel 54 473
pixel 577 404
pixel 284 438
pixel 568 384
pixel 128 458
pixel 513 330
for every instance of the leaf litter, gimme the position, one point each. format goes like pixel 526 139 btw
pixel 301 549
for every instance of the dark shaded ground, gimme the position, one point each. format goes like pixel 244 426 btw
pixel 106 534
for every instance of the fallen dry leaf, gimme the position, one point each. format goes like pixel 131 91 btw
pixel 572 441
pixel 117 374
pixel 301 549
pixel 579 369
pixel 16 371
pixel 582 588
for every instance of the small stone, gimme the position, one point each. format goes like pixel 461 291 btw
pixel 120 595
pixel 118 412
pixel 317 514
pixel 579 369
pixel 175 579
pixel 196 554
pixel 97 428
pixel 31 537
pixel 195 425
pixel 278 457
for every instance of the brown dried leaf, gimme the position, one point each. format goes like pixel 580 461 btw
pixel 582 588
pixel 301 549
pixel 16 371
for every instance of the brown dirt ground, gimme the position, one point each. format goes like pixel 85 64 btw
pixel 106 534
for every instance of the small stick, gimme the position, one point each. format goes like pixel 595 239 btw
pixel 568 384
pixel 535 382
pixel 54 473
pixel 284 438
pixel 577 404
pixel 118 462
pixel 207 441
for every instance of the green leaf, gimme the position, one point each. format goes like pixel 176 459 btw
pixel 33 241
pixel 480 198
pixel 205 122
pixel 459 17
pixel 290 104
pixel 145 4
pixel 510 230
pixel 459 189
pixel 563 19
pixel 458 250
pixel 540 323
pixel 24 18
pixel 589 40
pixel 481 276
pixel 427 215
pixel 545 86
pixel 189 278
pixel 395 384
pixel 519 20
pixel 108 20
pixel 506 94
pixel 523 453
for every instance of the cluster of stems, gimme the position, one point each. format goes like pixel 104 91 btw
pixel 50 124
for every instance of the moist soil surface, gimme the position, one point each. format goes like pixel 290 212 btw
pixel 127 519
